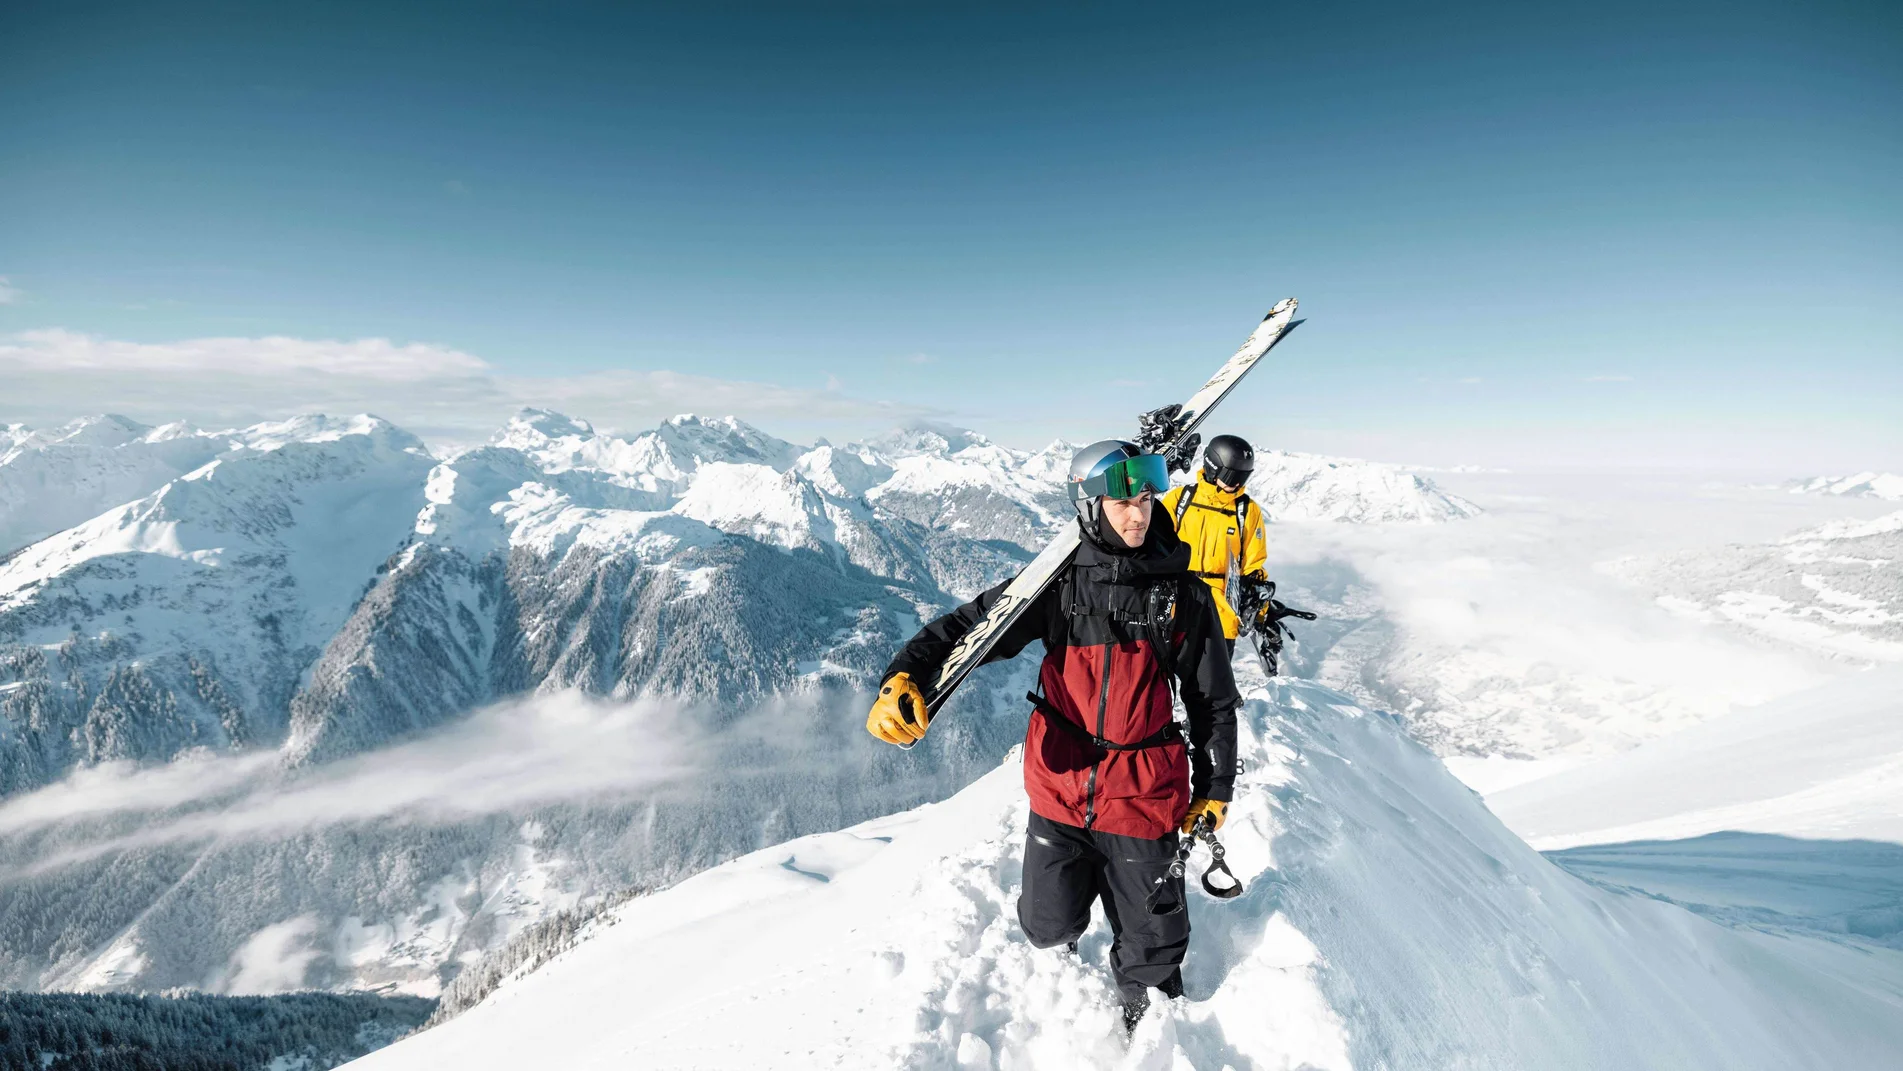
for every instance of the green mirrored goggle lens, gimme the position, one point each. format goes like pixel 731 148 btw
pixel 1134 475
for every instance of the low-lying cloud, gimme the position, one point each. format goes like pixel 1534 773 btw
pixel 513 755
pixel 439 392
pixel 1511 633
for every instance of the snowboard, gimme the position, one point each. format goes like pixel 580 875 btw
pixel 1170 431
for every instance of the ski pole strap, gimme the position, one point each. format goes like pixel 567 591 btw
pixel 1279 611
pixel 1216 863
pixel 1164 899
pixel 1168 734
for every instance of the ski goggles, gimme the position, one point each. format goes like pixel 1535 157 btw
pixel 1125 479
pixel 1232 477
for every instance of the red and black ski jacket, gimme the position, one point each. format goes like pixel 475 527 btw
pixel 1103 750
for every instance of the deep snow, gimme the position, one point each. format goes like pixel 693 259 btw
pixel 1389 922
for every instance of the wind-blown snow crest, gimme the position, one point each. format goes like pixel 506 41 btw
pixel 1388 921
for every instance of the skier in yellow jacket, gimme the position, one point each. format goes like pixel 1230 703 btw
pixel 1223 528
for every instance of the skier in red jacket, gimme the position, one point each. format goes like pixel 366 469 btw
pixel 1105 764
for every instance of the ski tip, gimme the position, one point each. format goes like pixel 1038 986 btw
pixel 1285 305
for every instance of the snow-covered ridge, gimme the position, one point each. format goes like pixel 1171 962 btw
pixel 1310 487
pixel 1388 921
pixel 57 477
pixel 1887 485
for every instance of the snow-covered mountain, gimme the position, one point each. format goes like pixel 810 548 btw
pixel 320 596
pixel 52 479
pixel 55 478
pixel 1309 487
pixel 185 618
pixel 1388 921
pixel 1887 485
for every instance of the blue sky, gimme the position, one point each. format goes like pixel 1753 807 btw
pixel 1660 234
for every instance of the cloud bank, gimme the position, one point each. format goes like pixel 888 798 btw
pixel 442 393
pixel 516 754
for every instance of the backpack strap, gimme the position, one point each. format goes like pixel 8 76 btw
pixel 1182 504
pixel 1170 733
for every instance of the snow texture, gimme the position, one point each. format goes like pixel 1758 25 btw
pixel 1389 921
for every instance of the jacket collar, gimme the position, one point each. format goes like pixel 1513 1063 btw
pixel 1161 554
pixel 1210 495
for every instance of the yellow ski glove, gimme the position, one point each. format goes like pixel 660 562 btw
pixel 1213 808
pixel 898 715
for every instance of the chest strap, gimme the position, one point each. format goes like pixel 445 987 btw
pixel 1170 733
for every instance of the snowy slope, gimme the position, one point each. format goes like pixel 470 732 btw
pixel 184 619
pixel 663 460
pixel 1787 818
pixel 52 479
pixel 961 482
pixel 56 478
pixel 1825 763
pixel 1309 487
pixel 1389 921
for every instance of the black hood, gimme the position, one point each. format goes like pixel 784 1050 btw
pixel 1162 554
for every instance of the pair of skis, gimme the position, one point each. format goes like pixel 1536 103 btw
pixel 1262 615
pixel 1170 431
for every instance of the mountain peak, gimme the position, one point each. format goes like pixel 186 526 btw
pixel 1870 484
pixel 530 424
pixel 100 429
pixel 320 428
pixel 927 438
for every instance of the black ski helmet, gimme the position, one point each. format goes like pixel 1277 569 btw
pixel 1115 468
pixel 1229 459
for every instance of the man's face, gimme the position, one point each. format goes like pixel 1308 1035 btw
pixel 1129 517
pixel 1227 487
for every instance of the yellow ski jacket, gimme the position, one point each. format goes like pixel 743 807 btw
pixel 1217 537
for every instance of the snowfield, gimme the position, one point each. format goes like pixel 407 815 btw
pixel 1389 921
pixel 1824 764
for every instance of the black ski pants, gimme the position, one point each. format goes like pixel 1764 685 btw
pixel 1067 868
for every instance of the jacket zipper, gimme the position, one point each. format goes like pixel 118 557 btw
pixel 1103 700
